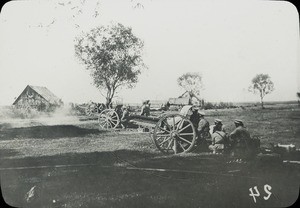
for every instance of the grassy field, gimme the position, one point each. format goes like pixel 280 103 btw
pixel 64 162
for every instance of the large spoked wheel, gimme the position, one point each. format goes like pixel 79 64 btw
pixel 108 119
pixel 174 134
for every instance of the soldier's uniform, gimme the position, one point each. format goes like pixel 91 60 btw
pixel 145 111
pixel 125 118
pixel 203 128
pixel 219 141
pixel 240 136
pixel 217 126
pixel 240 139
pixel 219 137
pixel 195 118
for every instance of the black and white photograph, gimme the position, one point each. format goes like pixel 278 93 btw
pixel 149 103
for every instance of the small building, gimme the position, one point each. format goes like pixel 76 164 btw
pixel 38 98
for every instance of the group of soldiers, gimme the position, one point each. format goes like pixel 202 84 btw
pixel 237 142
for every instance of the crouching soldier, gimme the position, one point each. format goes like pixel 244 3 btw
pixel 219 138
pixel 242 145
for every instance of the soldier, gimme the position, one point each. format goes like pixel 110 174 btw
pixel 219 138
pixel 195 117
pixel 239 138
pixel 125 117
pixel 203 127
pixel 145 111
pixel 218 124
pixel 165 106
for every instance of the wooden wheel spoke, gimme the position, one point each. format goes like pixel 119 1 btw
pixel 104 125
pixel 186 134
pixel 173 122
pixel 175 146
pixel 181 146
pixel 179 124
pixel 111 123
pixel 164 141
pixel 184 128
pixel 113 117
pixel 183 139
pixel 162 135
pixel 169 145
pixel 165 130
pixel 165 122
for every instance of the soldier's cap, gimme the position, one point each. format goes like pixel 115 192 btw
pixel 218 121
pixel 201 113
pixel 237 121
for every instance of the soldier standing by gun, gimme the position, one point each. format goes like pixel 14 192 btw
pixel 145 111
pixel 125 117
pixel 203 127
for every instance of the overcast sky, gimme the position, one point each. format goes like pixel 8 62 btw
pixel 228 42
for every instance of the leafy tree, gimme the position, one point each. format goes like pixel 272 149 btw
pixel 262 85
pixel 113 55
pixel 191 83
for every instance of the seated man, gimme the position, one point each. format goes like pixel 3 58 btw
pixel 241 142
pixel 219 138
pixel 218 124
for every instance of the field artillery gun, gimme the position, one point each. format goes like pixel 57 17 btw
pixel 91 109
pixel 172 133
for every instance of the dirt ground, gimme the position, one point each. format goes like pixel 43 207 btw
pixel 64 162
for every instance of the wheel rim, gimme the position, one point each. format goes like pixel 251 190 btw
pixel 108 119
pixel 174 134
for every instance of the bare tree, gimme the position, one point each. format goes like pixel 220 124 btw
pixel 113 55
pixel 262 85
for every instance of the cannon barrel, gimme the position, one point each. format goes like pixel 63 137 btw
pixel 145 118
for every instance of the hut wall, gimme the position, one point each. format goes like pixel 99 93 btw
pixel 30 99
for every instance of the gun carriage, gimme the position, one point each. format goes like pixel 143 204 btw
pixel 172 133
